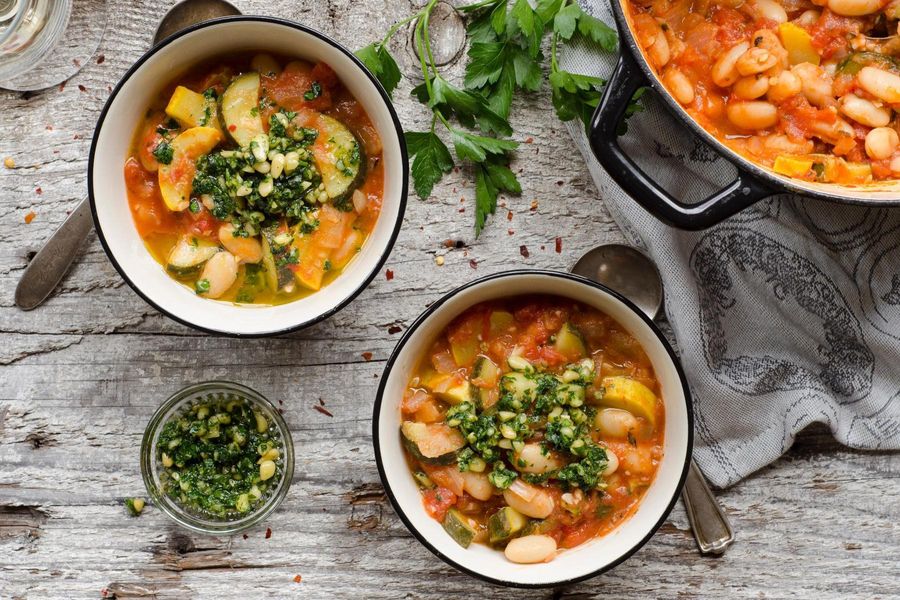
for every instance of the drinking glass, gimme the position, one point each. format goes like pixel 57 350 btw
pixel 45 42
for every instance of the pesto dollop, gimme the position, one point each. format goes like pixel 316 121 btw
pixel 219 457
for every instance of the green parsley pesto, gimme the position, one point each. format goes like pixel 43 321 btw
pixel 219 458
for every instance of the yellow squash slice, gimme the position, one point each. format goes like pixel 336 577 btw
pixel 176 179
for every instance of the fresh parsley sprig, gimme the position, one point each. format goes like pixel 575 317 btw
pixel 505 55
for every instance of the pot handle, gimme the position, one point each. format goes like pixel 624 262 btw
pixel 738 195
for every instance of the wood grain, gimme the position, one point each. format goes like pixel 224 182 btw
pixel 82 375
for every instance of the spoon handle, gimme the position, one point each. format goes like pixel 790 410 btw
pixel 708 521
pixel 49 265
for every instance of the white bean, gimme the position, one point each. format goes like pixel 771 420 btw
pixel 808 18
pixel 881 84
pixel 535 460
pixel 637 460
pixel 538 507
pixel 895 165
pixel 881 143
pixel 863 111
pixel 769 9
pixel 615 422
pixel 531 549
pixel 246 249
pixel 855 8
pixel 752 115
pixel 783 86
pixel 723 70
pixel 680 86
pixel 751 88
pixel 478 485
pixel 612 463
pixel 220 272
pixel 816 84
pixel 755 60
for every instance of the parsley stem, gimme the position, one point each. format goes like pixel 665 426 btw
pixel 476 5
pixel 421 51
pixel 553 66
pixel 396 26
pixel 426 35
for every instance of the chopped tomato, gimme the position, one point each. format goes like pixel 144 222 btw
pixel 294 87
pixel 573 535
pixel 150 214
pixel 437 502
pixel 150 138
pixel 448 477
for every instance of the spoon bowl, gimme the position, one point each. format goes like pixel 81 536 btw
pixel 626 270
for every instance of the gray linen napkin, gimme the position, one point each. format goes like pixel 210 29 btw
pixel 784 315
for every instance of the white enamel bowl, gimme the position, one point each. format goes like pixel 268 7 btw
pixel 593 557
pixel 123 112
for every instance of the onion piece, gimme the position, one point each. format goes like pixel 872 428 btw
pixel 523 490
pixel 360 200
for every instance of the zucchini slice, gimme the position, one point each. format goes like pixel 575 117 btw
pixel 628 394
pixel 339 158
pixel 191 109
pixel 434 443
pixel 505 523
pixel 189 254
pixel 519 385
pixel 570 343
pixel 240 109
pixel 176 179
pixel 280 279
pixel 458 526
pixel 485 374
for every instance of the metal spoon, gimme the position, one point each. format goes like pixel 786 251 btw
pixel 631 273
pixel 51 263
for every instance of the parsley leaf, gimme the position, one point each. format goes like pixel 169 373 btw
pixel 597 31
pixel 486 61
pixel 575 96
pixel 432 160
pixel 382 65
pixel 163 152
pixel 476 147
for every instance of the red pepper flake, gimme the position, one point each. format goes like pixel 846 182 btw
pixel 389 274
pixel 449 243
pixel 49 127
pixel 558 245
pixel 321 402
pixel 109 88
pixel 101 59
pixel 473 263
pixel 76 62
pixel 509 216
pixel 246 536
pixel 394 329
pixel 82 88
pixel 510 231
pixel 297 579
pixel 462 210
pixel 543 247
pixel 77 136
pixel 529 140
pixel 523 250
pixel 367 356
pixel 29 217
pixel 38 191
pixel 534 205
pixel 322 410
pixel 559 183
pixel 268 532
pixel 62 86
pixel 232 127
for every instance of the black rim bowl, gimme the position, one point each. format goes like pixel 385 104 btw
pixel 411 332
pixel 384 97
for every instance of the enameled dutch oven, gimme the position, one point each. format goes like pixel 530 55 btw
pixel 753 183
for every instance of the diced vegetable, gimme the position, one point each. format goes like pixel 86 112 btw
pixel 459 527
pixel 275 259
pixel 423 480
pixel 240 109
pixel 570 343
pixel 311 262
pixel 191 109
pixel 501 322
pixel 518 363
pixel 464 350
pixel 855 61
pixel 485 374
pixel 793 166
pixel 435 444
pixel 798 44
pixel 519 385
pixel 176 179
pixel 339 158
pixel 457 394
pixel 628 394
pixel 189 254
pixel 505 523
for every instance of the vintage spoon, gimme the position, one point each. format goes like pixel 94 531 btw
pixel 631 273
pixel 53 260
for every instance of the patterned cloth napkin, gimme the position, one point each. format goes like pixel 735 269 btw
pixel 784 315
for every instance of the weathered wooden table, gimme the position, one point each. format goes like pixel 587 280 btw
pixel 82 375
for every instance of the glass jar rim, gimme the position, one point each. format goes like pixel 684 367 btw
pixel 180 514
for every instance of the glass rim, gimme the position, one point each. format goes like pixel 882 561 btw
pixel 21 9
pixel 180 514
